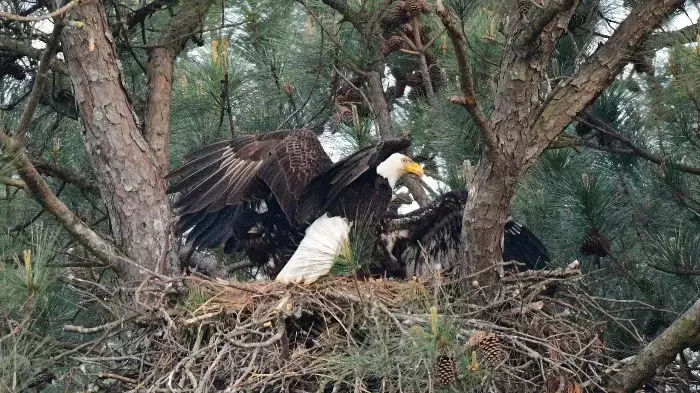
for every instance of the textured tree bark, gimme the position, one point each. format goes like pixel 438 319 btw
pixel 160 77
pixel 522 125
pixel 683 333
pixel 127 169
pixel 375 93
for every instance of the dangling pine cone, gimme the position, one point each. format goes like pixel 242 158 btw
pixel 488 347
pixel 417 7
pixel 407 28
pixel 400 5
pixel 595 244
pixel 523 7
pixel 393 18
pixel 445 370
pixel 396 42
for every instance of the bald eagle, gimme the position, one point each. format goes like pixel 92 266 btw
pixel 431 235
pixel 279 198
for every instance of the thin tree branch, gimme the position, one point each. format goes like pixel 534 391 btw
pixel 683 333
pixel 606 129
pixel 665 39
pixel 24 225
pixel 17 183
pixel 68 175
pixel 39 83
pixel 51 15
pixel 348 14
pixel 466 77
pixel 140 15
pixel 678 272
pixel 25 48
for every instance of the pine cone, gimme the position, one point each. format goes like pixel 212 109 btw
pixel 488 347
pixel 407 28
pixel 393 18
pixel 595 244
pixel 523 7
pixel 400 5
pixel 417 7
pixel 445 370
pixel 396 42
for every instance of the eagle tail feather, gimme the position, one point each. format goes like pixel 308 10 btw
pixel 325 239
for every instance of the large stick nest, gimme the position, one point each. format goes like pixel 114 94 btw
pixel 342 335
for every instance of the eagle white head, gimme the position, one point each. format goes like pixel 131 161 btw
pixel 396 166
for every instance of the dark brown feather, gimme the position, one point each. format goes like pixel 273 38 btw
pixel 325 188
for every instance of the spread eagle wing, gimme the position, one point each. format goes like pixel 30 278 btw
pixel 325 188
pixel 220 181
pixel 433 233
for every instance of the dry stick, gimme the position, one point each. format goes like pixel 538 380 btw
pixel 95 329
pixel 103 375
pixel 17 183
pixel 51 15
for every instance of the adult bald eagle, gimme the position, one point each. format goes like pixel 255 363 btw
pixel 278 197
pixel 432 233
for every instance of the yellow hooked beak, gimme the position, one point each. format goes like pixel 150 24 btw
pixel 414 168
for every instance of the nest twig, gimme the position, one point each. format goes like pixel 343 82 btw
pixel 342 334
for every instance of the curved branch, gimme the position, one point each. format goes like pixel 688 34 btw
pixel 602 67
pixel 606 129
pixel 683 333
pixel 25 48
pixel 466 77
pixel 51 15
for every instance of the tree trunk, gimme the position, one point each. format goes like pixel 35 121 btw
pixel 522 124
pixel 127 170
pixel 380 106
pixel 490 193
pixel 159 105
pixel 160 76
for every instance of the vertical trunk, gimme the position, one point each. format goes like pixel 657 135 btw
pixel 379 104
pixel 485 215
pixel 128 173
pixel 159 105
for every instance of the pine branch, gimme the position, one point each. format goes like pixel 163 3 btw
pixel 466 77
pixel 37 187
pixel 606 129
pixel 678 272
pixel 665 39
